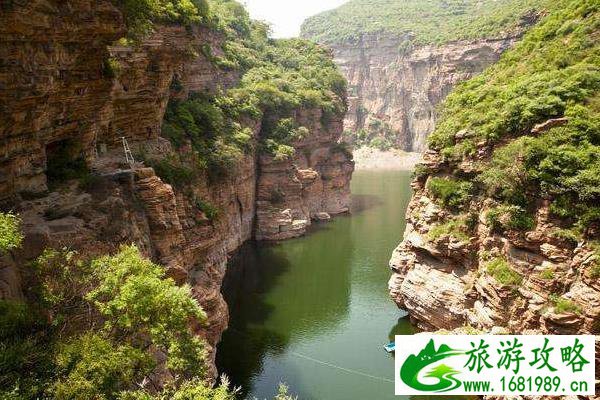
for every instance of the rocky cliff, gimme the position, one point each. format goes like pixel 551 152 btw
pixel 401 59
pixel 394 88
pixel 70 92
pixel 494 239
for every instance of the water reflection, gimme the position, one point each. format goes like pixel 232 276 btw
pixel 309 310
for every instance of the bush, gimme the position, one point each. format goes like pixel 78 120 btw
pixel 94 328
pixel 507 217
pixel 173 172
pixel 456 228
pixel 503 273
pixel 211 212
pixel 140 15
pixel 562 305
pixel 112 68
pixel 450 192
pixel 547 274
pixel 10 232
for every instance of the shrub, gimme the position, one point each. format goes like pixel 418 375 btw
pixel 503 273
pixel 94 328
pixel 173 172
pixel 112 68
pixel 421 171
pixel 211 212
pixel 547 274
pixel 562 305
pixel 507 217
pixel 569 235
pixel 450 192
pixel 456 228
pixel 10 232
pixel 140 15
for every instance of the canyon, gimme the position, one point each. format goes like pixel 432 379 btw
pixel 70 89
pixel 396 83
pixel 395 86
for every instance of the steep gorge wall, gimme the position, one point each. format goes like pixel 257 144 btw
pixel 56 86
pixel 444 283
pixel 394 87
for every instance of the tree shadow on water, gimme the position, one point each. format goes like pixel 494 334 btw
pixel 251 273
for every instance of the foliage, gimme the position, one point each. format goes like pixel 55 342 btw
pixel 90 365
pixel 503 273
pixel 140 15
pixel 211 212
pixel 92 329
pixel 430 21
pixel 454 227
pixel 283 393
pixel 10 232
pixel 111 67
pixel 547 274
pixel 563 305
pixel 553 72
pixel 450 192
pixel 595 268
pixel 507 217
pixel 279 78
pixel 193 389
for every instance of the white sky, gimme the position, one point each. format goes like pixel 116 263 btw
pixel 286 16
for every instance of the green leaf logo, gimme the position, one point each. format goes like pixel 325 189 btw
pixel 414 364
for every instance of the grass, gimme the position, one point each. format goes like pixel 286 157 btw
pixel 547 274
pixel 562 305
pixel 503 273
pixel 456 228
pixel 425 21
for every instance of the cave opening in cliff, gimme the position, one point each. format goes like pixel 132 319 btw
pixel 64 161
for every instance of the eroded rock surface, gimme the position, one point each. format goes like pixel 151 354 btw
pixel 444 282
pixel 64 80
pixel 396 87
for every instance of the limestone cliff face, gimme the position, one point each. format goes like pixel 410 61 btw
pixel 394 88
pixel 64 81
pixel 312 185
pixel 444 283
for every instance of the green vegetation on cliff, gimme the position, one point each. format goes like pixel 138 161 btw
pixel 140 15
pixel 279 78
pixel 552 77
pixel 429 21
pixel 93 329
pixel 10 235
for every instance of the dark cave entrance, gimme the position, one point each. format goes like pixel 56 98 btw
pixel 64 161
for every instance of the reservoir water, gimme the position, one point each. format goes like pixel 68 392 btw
pixel 314 312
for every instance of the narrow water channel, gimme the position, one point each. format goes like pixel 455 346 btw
pixel 314 312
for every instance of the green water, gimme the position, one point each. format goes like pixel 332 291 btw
pixel 314 312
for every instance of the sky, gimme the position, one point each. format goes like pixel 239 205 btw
pixel 286 16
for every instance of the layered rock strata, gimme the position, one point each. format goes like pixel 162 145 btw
pixel 394 87
pixel 66 84
pixel 444 282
